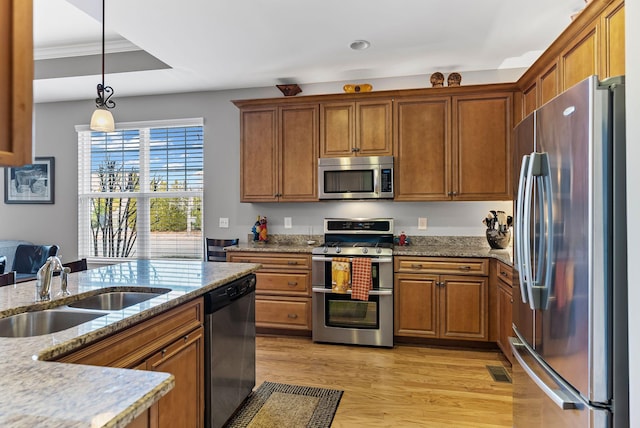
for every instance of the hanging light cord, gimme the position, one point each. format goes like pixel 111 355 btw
pixel 102 101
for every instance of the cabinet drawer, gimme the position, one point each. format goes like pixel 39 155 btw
pixel 283 283
pixel 505 273
pixel 282 312
pixel 293 261
pixel 442 265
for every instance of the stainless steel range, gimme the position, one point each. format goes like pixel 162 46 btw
pixel 338 317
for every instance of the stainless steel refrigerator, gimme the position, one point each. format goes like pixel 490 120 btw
pixel 570 321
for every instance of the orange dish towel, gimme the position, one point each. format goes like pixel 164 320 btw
pixel 340 275
pixel 361 281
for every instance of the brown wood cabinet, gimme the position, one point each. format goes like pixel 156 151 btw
pixel 504 306
pixel 592 44
pixel 172 342
pixel 283 289
pixel 445 147
pixel 16 81
pixel 356 128
pixel 432 303
pixel 279 153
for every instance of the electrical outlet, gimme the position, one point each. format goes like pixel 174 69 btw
pixel 287 223
pixel 422 223
pixel 224 222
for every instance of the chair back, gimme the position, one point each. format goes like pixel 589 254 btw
pixel 215 248
pixel 8 278
pixel 3 263
pixel 77 265
pixel 30 258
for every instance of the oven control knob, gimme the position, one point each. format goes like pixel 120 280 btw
pixel 338 249
pixel 378 250
pixel 365 251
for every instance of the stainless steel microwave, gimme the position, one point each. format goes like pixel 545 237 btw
pixel 366 177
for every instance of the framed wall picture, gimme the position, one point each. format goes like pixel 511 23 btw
pixel 30 184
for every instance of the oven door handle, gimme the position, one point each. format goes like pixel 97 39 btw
pixel 383 292
pixel 373 259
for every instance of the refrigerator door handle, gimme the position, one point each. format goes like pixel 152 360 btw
pixel 526 231
pixel 560 397
pixel 519 224
pixel 546 283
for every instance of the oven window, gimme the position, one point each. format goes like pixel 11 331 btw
pixel 375 278
pixel 342 311
pixel 349 181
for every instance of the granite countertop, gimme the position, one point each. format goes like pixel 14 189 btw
pixel 426 246
pixel 36 392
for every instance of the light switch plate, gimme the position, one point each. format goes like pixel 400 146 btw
pixel 224 222
pixel 287 223
pixel 422 223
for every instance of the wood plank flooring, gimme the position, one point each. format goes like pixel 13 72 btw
pixel 407 386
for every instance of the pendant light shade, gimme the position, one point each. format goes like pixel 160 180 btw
pixel 102 119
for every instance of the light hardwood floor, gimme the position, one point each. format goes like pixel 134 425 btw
pixel 407 386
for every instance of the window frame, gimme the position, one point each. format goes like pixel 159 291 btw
pixel 85 195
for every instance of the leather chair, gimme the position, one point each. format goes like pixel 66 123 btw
pixel 215 249
pixel 77 265
pixel 8 278
pixel 3 264
pixel 30 258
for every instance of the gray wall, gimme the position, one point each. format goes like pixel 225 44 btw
pixel 55 136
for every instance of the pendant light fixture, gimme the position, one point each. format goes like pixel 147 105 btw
pixel 102 119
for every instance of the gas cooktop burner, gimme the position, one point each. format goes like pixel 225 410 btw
pixel 371 237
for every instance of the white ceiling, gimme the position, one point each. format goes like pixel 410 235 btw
pixel 225 44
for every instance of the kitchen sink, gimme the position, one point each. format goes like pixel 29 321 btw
pixel 116 300
pixel 38 323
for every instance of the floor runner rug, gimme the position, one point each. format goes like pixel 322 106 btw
pixel 287 406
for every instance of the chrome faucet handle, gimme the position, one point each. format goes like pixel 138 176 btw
pixel 63 281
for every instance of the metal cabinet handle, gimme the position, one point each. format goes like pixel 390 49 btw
pixel 503 273
pixel 244 261
pixel 292 283
pixel 416 266
pixel 186 337
pixel 164 352
pixel 465 268
pixel 292 262
pixel 292 316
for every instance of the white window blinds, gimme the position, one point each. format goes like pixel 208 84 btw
pixel 140 191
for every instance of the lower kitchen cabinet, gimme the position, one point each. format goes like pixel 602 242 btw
pixel 283 289
pixel 504 307
pixel 171 342
pixel 431 303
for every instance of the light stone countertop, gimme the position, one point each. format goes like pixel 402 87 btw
pixel 49 394
pixel 425 246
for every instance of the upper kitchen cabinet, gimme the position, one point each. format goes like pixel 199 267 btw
pixel 592 44
pixel 279 153
pixel 423 149
pixel 356 128
pixel 612 44
pixel 16 79
pixel 481 146
pixel 453 148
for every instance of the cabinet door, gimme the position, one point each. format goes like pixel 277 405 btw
pixel 549 83
pixel 298 153
pixel 423 149
pixel 415 303
pixel 373 126
pixel 183 406
pixel 481 146
pixel 258 155
pixel 16 81
pixel 612 41
pixel 578 61
pixel 337 129
pixel 463 307
pixel 529 99
pixel 504 318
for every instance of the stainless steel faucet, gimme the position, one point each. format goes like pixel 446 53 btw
pixel 44 277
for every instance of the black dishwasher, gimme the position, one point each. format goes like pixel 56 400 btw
pixel 230 348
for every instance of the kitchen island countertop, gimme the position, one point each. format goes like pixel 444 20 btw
pixel 36 392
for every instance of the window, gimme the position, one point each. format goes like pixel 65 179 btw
pixel 140 191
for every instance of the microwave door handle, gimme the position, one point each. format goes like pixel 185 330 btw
pixel 376 182
pixel 520 223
